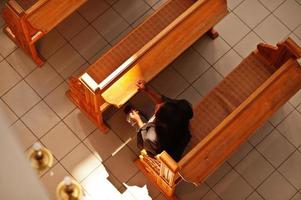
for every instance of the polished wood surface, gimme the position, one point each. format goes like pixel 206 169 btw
pixel 28 21
pixel 145 52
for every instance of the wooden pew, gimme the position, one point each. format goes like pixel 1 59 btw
pixel 227 116
pixel 143 54
pixel 27 21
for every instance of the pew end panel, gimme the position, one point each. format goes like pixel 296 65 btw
pixel 28 21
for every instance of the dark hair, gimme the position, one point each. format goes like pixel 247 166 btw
pixel 172 127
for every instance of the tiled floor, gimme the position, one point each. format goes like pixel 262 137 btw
pixel 266 167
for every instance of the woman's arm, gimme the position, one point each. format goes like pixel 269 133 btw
pixel 156 97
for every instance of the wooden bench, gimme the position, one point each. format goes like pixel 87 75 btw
pixel 229 114
pixel 27 21
pixel 143 54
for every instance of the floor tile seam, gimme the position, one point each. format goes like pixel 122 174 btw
pixel 72 74
pixel 100 14
pixel 149 7
pixel 236 5
pixel 284 24
pixel 269 132
pixel 274 8
pixel 283 175
pixel 15 48
pixel 241 159
pixel 273 168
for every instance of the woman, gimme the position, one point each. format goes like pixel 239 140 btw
pixel 168 129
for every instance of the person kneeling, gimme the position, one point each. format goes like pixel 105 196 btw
pixel 168 128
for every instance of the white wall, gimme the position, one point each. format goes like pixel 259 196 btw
pixel 17 179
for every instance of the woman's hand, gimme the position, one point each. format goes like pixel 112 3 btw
pixel 141 84
pixel 134 115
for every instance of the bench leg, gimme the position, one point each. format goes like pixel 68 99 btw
pixel 212 33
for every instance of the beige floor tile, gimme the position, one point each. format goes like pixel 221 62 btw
pixel 111 2
pixel 80 162
pixel 298 32
pixel 66 61
pixel 191 95
pixel 190 65
pixel 291 169
pixel 103 145
pixel 211 195
pixel 169 83
pixel 240 153
pixel 60 140
pixel 140 180
pixel 88 42
pixel 295 38
pixel 21 62
pixel 233 3
pixel 261 133
pixel 8 77
pixel 143 17
pixel 297 196
pixel 218 174
pixel 232 29
pixel 281 114
pixel 251 12
pixel 275 148
pixel 125 159
pixel 207 81
pixel 52 178
pixel 296 99
pixel 7 113
pixel 21 98
pixel 1 58
pixel 7 46
pixel 159 4
pixel 189 191
pixel 275 183
pixel 271 30
pixel 271 4
pixel 43 80
pixel 40 119
pixel 72 25
pixel 254 168
pixel 230 184
pixel 247 44
pixel 121 36
pixel 289 13
pixel 50 43
pixel 151 2
pixel 131 10
pixel 80 124
pixel 227 63
pixel 290 128
pixel 99 54
pixel 23 134
pixel 255 196
pixel 93 8
pixel 110 24
pixel 210 49
pixel 59 102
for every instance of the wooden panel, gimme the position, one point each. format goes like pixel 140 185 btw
pixel 26 4
pixel 52 13
pixel 166 50
pixel 200 162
